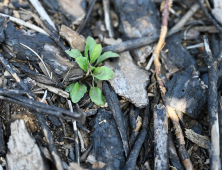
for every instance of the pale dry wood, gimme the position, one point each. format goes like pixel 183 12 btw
pixel 53 90
pixel 200 140
pixel 107 17
pixel 42 13
pixel 185 18
pixel 25 24
pixel 161 161
pixel 75 40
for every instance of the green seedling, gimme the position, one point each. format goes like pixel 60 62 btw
pixel 89 63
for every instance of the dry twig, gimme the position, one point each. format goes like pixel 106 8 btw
pixel 171 112
pixel 42 13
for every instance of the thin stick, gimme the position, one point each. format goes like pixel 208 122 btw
pixel 81 142
pixel 113 104
pixel 53 34
pixel 53 90
pixel 109 26
pixel 160 45
pixel 75 135
pixel 38 57
pixel 134 153
pixel 42 13
pixel 171 112
pixel 174 158
pixel 81 26
pixel 185 18
pixel 12 72
pixel 48 135
pixel 210 17
pixel 26 24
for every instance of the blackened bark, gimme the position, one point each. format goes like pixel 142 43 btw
pixel 173 157
pixel 2 140
pixel 212 63
pixel 131 161
pixel 113 104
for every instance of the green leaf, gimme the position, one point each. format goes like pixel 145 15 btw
pixel 83 62
pixel 95 53
pixel 90 44
pixel 96 96
pixel 77 92
pixel 103 73
pixel 92 68
pixel 106 55
pixel 70 87
pixel 74 53
pixel 96 80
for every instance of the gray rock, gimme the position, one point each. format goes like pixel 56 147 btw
pixel 23 152
pixel 129 80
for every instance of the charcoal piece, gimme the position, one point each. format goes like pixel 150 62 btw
pixel 3 22
pixel 204 78
pixel 2 140
pixel 129 81
pixel 71 155
pixel 132 138
pixel 175 55
pixel 216 45
pixel 137 112
pixel 107 144
pixel 132 117
pixel 186 92
pixel 138 19
pixel 54 120
pixel 52 4
pixel 20 4
pixel 86 154
pixel 43 45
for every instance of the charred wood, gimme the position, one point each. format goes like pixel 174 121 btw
pixel 113 104
pixel 173 157
pixel 212 63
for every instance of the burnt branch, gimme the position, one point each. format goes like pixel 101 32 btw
pixel 210 17
pixel 212 63
pixel 173 157
pixel 113 104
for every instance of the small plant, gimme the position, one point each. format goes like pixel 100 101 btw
pixel 89 63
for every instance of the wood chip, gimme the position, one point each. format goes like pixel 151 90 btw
pixel 200 140
pixel 75 40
